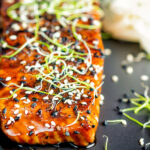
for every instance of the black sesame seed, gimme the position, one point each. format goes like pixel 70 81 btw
pixel 23 82
pixel 76 132
pixel 75 108
pixel 80 60
pixel 125 96
pixel 54 113
pixel 124 67
pixel 39 112
pixel 67 133
pixel 33 105
pixel 105 123
pixel 17 118
pixel 31 133
pixel 63 99
pixel 4 111
pixel 96 96
pixel 88 111
pixel 132 91
pixel 64 39
pixel 16 100
pixel 2 79
pixel 93 126
pixel 91 89
pixel 34 99
pixel 120 100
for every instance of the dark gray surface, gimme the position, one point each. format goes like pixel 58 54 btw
pixel 120 138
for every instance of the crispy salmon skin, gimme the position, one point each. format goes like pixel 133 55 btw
pixel 51 68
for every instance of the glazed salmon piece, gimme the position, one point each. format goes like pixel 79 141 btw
pixel 51 68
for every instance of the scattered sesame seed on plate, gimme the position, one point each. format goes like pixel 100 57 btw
pixel 115 78
pixel 107 52
pixel 129 70
pixel 144 77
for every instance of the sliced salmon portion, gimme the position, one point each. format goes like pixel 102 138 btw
pixel 50 74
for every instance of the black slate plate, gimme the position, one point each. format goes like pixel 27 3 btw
pixel 120 138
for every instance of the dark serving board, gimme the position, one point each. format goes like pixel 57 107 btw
pixel 120 138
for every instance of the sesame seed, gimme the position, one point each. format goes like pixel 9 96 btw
pixel 16 112
pixel 24 25
pixel 96 22
pixel 115 78
pixel 57 28
pixel 130 58
pixel 47 125
pixel 51 91
pixel 95 42
pixel 4 45
pixel 13 37
pixel 15 95
pixel 43 29
pixel 31 127
pixel 84 95
pixel 28 92
pixel 129 70
pixel 84 19
pixel 144 77
pixel 107 52
pixel 9 122
pixel 124 122
pixel 67 133
pixel 23 62
pixel 16 27
pixel 16 105
pixel 141 142
pixel 53 123
pixel 26 112
pixel 8 78
pixel 46 98
pixel 84 103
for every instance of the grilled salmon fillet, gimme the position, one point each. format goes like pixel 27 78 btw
pixel 51 67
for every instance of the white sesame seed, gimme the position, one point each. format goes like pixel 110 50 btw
pixel 16 112
pixel 23 62
pixel 70 93
pixel 84 95
pixel 78 47
pixel 19 115
pixel 24 25
pixel 56 34
pixel 4 45
pixel 124 122
pixel 115 78
pixel 53 123
pixel 65 81
pixel 68 101
pixel 130 58
pixel 8 78
pixel 16 27
pixel 28 92
pixel 16 105
pixel 46 98
pixel 47 125
pixel 95 77
pixel 92 84
pixel 95 42
pixel 43 29
pixel 102 97
pixel 26 112
pixel 96 22
pixel 91 68
pixel 13 37
pixel 88 81
pixel 79 36
pixel 15 95
pixel 77 98
pixel 51 91
pixel 129 70
pixel 55 98
pixel 141 142
pixel 144 77
pixel 57 28
pixel 9 122
pixel 84 19
pixel 82 91
pixel 31 127
pixel 84 103
pixel 71 72
pixel 107 52
pixel 12 119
